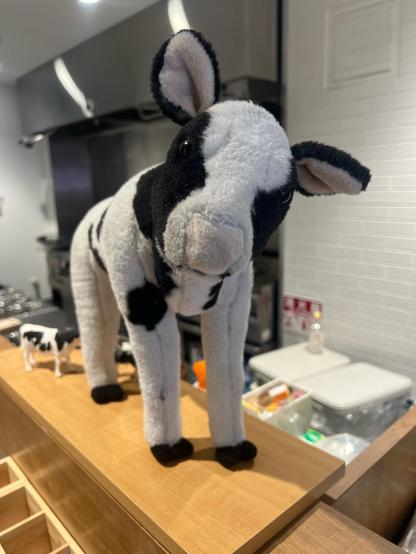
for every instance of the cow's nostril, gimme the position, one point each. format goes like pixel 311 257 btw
pixel 210 248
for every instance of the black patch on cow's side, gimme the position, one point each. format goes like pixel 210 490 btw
pixel 108 393
pixel 171 110
pixel 35 337
pixel 65 337
pixel 166 454
pixel 213 296
pixel 146 306
pixel 268 211
pixel 60 341
pixel 95 252
pixel 229 456
pixel 332 156
pixel 163 274
pixel 45 346
pixel 100 223
pixel 142 202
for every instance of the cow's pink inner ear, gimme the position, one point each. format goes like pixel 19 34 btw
pixel 187 77
pixel 318 177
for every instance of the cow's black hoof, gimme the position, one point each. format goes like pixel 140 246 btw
pixel 166 454
pixel 229 456
pixel 107 393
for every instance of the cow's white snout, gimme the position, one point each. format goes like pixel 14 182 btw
pixel 212 249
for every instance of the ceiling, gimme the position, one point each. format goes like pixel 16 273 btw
pixel 34 31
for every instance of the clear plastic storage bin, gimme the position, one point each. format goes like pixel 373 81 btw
pixel 361 399
pixel 293 416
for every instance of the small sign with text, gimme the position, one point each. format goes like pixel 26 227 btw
pixel 297 313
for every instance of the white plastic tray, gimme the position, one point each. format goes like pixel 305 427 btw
pixel 293 362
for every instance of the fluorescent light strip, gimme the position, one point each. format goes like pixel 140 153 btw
pixel 177 16
pixel 71 87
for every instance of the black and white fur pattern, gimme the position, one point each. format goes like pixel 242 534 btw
pixel 180 238
pixel 46 339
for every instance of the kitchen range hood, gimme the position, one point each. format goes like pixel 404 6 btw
pixel 110 73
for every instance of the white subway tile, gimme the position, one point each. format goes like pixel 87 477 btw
pixel 382 285
pixel 318 263
pixel 340 306
pixel 362 269
pixel 365 212
pixel 402 243
pixel 387 257
pixel 372 121
pixel 379 312
pixel 408 65
pixel 316 290
pixel 393 167
pixel 402 214
pixel 403 183
pixel 399 302
pixel 406 274
pixel 362 296
pixel 392 136
pixel 390 228
pixel 337 279
pixel 404 117
pixel 364 241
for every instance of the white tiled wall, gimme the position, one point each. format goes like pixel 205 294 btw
pixel 357 254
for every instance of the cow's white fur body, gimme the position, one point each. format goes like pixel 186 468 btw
pixel 207 240
pixel 101 297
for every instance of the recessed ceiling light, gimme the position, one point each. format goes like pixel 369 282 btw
pixel 88 1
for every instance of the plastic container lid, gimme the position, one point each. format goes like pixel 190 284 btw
pixel 296 361
pixel 352 386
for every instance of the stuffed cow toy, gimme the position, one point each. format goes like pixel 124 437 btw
pixel 180 237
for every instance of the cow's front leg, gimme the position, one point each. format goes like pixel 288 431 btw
pixel 154 338
pixel 58 372
pixel 224 329
pixel 28 357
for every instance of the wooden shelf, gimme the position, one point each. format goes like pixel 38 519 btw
pixel 27 524
pixel 98 460
pixel 323 530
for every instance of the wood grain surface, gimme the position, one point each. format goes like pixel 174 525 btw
pixel 5 344
pixel 323 530
pixel 195 506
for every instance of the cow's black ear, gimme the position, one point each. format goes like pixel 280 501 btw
pixel 323 169
pixel 185 77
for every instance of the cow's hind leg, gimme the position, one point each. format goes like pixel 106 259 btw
pixel 98 321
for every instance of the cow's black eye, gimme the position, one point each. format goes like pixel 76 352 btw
pixel 185 149
pixel 287 195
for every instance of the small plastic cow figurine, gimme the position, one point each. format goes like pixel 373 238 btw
pixel 180 237
pixel 46 339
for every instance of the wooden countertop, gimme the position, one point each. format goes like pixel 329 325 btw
pixel 5 344
pixel 195 506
